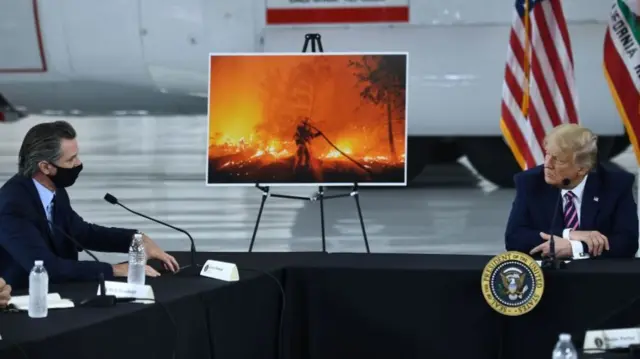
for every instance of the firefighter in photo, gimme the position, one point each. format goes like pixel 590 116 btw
pixel 303 136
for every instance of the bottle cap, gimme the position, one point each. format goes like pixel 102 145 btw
pixel 565 337
pixel 39 263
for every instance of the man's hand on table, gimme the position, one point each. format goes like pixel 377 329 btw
pixel 5 293
pixel 155 252
pixel 562 247
pixel 122 270
pixel 596 241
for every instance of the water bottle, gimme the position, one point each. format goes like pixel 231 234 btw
pixel 564 348
pixel 137 261
pixel 38 290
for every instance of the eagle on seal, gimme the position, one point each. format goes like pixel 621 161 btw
pixel 513 285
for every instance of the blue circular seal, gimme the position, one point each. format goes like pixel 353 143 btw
pixel 512 283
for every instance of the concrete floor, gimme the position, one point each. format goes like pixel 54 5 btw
pixel 157 166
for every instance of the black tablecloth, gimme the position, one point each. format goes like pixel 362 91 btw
pixel 431 306
pixel 337 306
pixel 195 317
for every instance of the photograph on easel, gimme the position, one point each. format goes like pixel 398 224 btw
pixel 307 119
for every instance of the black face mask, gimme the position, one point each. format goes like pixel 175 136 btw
pixel 66 177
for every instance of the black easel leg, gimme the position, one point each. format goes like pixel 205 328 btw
pixel 316 43
pixel 307 37
pixel 364 231
pixel 255 229
pixel 321 195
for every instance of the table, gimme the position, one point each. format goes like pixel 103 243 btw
pixel 338 306
pixel 195 317
pixel 431 306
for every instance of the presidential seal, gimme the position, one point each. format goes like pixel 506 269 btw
pixel 512 283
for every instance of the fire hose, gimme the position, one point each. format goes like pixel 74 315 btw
pixel 340 151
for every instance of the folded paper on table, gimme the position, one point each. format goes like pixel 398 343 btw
pixel 54 301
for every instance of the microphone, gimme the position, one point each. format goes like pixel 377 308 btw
pixel 99 301
pixel 553 261
pixel 194 267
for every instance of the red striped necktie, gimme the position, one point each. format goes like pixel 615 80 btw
pixel 570 211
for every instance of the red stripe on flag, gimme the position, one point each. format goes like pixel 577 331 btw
pixel 553 55
pixel 545 92
pixel 536 125
pixel 536 73
pixel 518 138
pixel 562 24
pixel 338 15
pixel 624 86
pixel 514 87
pixel 553 90
pixel 516 91
pixel 516 48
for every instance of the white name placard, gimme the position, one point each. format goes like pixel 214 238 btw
pixel 601 340
pixel 126 290
pixel 220 270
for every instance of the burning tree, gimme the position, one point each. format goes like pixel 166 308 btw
pixel 288 97
pixel 272 101
pixel 305 83
pixel 384 79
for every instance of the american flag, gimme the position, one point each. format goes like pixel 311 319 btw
pixel 539 71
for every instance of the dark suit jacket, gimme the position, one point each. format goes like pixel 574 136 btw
pixel 607 206
pixel 25 236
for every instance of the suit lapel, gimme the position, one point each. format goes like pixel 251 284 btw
pixel 590 202
pixel 58 212
pixel 35 198
pixel 41 216
pixel 553 206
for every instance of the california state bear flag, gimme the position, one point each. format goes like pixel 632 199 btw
pixel 622 65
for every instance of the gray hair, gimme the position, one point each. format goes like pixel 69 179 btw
pixel 576 140
pixel 42 143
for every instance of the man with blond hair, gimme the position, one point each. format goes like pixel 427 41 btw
pixel 597 216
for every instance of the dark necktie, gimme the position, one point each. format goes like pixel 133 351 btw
pixel 53 209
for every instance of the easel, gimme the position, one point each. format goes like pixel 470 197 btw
pixel 315 40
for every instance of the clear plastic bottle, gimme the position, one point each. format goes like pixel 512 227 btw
pixel 38 290
pixel 137 261
pixel 564 348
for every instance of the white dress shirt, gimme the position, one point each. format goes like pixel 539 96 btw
pixel 46 197
pixel 576 246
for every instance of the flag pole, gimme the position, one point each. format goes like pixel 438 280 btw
pixel 636 155
pixel 526 68
pixel 527 45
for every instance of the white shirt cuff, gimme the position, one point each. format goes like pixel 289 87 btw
pixel 576 246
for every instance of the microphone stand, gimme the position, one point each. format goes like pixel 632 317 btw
pixel 190 270
pixel 552 262
pixel 97 301
pixel 100 301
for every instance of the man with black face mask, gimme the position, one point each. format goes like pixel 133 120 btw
pixel 36 197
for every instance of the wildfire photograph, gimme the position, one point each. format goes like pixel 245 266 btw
pixel 307 118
